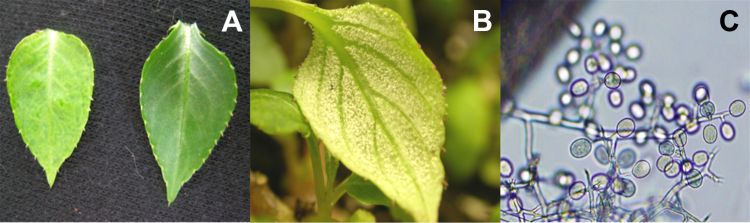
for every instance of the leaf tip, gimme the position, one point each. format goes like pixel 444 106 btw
pixel 172 193
pixel 170 197
pixel 51 175
pixel 51 168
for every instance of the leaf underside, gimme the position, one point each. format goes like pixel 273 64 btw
pixel 50 81
pixel 188 93
pixel 276 112
pixel 376 101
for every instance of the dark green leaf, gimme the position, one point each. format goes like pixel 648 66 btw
pixel 364 191
pixel 188 94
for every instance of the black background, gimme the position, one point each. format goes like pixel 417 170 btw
pixel 112 174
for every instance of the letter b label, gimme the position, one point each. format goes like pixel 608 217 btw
pixel 482 21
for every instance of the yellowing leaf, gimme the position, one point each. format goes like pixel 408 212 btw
pixel 375 100
pixel 403 8
pixel 50 84
pixel 188 93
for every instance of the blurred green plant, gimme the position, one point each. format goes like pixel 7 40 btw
pixel 468 123
pixel 495 214
pixel 270 69
pixel 362 215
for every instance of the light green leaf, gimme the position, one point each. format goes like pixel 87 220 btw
pixel 375 99
pixel 362 215
pixel 266 58
pixel 364 191
pixel 468 123
pixel 276 112
pixel 188 93
pixel 50 84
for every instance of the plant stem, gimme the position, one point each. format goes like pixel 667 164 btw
pixel 324 206
pixel 317 17
pixel 340 190
pixel 331 167
pixel 306 11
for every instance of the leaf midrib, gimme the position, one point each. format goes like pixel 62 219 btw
pixel 186 54
pixel 52 38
